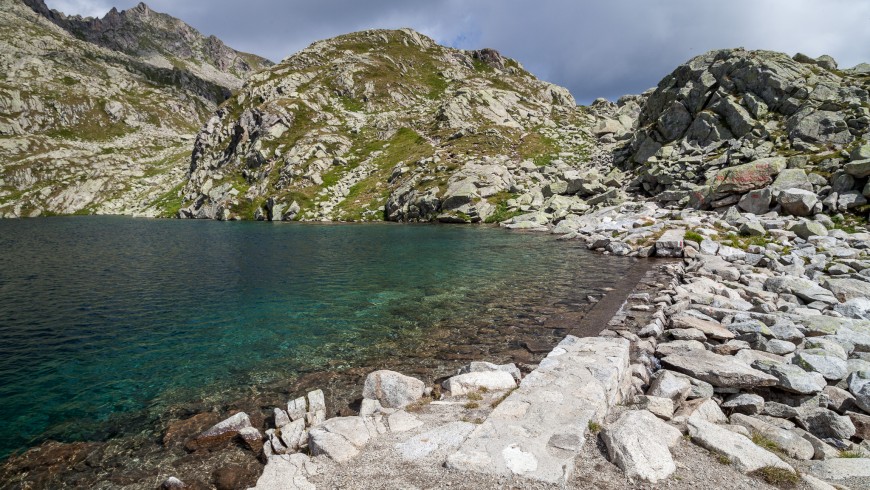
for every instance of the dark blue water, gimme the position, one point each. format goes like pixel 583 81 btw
pixel 101 317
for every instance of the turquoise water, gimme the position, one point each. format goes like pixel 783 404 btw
pixel 103 318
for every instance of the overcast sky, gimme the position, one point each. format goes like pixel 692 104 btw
pixel 596 48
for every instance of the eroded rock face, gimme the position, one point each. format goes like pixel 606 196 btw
pixel 706 123
pixel 402 129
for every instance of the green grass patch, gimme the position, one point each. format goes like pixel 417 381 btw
pixel 778 477
pixel 594 427
pixel 538 148
pixel 765 443
pixel 694 236
pixel 852 454
pixel 372 192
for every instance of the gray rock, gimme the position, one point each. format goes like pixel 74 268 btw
pixel 297 408
pixel 792 378
pixel 859 386
pixel 743 454
pixel 842 469
pixel 756 201
pixel 471 382
pixel 804 289
pixel 846 289
pixel 667 385
pixel 858 308
pixel 316 401
pixel 797 202
pixel 678 347
pixel 752 229
pixel 790 442
pixel 712 330
pixel 475 367
pixel 231 425
pixel 392 389
pixel 745 403
pixel 285 472
pixel 443 438
pixel 720 371
pixel 859 168
pixel 402 421
pixel 639 443
pixel 808 228
pixel 339 438
pixel 821 361
pixel 662 408
pixel 824 423
pixel 281 418
pixel 791 178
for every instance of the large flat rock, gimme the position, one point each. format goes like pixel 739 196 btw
pixel 539 429
pixel 720 371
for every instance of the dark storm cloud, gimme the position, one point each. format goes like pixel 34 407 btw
pixel 595 48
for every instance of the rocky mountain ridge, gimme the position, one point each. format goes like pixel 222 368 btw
pixel 380 125
pixel 161 40
pixel 85 129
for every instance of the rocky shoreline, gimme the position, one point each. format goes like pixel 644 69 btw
pixel 759 357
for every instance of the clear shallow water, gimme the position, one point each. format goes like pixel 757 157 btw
pixel 104 318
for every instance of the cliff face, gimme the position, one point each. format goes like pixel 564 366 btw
pixel 716 115
pixel 160 40
pixel 86 129
pixel 382 124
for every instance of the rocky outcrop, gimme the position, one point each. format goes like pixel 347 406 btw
pixel 384 125
pixel 730 121
pixel 86 129
pixel 162 41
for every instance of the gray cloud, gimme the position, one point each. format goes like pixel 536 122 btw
pixel 594 48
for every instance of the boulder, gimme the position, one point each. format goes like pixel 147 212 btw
pixel 712 330
pixel 756 201
pixel 861 423
pixel 824 423
pixel 221 432
pixel 804 289
pixel 745 403
pixel 842 469
pixel 797 202
pixel 444 438
pixel 392 389
pixel 791 178
pixel 662 408
pixel 743 454
pixel 859 168
pixel 719 371
pixel 472 382
pixel 790 442
pixel 339 438
pixel 822 361
pixel 285 472
pixel 792 378
pixel 668 385
pixel 847 289
pixel 476 367
pixel 750 176
pixel 807 228
pixel 639 443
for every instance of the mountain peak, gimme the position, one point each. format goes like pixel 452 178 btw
pixel 161 40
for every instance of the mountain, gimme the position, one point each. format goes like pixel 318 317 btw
pixel 716 115
pixel 86 129
pixel 160 40
pixel 383 125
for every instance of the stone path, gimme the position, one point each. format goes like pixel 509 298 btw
pixel 538 430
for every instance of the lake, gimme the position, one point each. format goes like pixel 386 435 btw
pixel 107 322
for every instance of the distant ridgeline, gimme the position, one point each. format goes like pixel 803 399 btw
pixel 138 113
